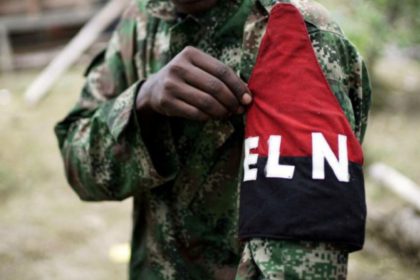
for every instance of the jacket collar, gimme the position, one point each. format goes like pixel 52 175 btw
pixel 269 4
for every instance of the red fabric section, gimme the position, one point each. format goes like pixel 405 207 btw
pixel 292 97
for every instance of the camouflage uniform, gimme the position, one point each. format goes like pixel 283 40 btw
pixel 348 79
pixel 267 259
pixel 183 176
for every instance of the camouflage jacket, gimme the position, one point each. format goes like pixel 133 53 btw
pixel 183 175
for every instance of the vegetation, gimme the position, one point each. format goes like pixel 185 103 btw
pixel 373 25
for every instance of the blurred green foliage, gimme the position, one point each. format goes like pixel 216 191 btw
pixel 373 24
pixel 398 20
pixel 386 32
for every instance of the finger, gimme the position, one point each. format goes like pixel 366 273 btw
pixel 202 101
pixel 246 99
pixel 211 85
pixel 222 72
pixel 182 109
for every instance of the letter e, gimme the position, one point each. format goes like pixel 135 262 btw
pixel 249 159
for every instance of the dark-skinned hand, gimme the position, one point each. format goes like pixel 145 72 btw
pixel 196 86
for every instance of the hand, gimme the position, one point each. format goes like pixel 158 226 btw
pixel 196 86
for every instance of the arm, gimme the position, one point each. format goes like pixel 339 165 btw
pixel 117 140
pixel 347 76
pixel 104 153
pixel 360 95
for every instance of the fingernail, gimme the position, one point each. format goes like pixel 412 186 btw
pixel 246 98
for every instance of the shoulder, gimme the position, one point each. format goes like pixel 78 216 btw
pixel 315 14
pixel 135 17
pixel 132 27
pixel 134 14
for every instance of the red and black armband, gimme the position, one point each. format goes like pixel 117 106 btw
pixel 303 175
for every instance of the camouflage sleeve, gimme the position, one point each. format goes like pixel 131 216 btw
pixel 101 139
pixel 268 258
pixel 288 259
pixel 346 73
pixel 360 94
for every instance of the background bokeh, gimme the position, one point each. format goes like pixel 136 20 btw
pixel 47 233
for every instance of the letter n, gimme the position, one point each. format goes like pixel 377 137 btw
pixel 322 152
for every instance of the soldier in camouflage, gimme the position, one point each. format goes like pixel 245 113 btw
pixel 160 119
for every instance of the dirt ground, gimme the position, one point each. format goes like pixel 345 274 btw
pixel 46 232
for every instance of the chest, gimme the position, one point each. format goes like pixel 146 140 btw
pixel 161 41
pixel 166 40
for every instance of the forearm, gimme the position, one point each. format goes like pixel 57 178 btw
pixel 104 153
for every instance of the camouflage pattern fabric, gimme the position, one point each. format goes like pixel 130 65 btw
pixel 347 76
pixel 264 259
pixel 183 175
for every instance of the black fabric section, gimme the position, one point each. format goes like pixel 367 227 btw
pixel 302 208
